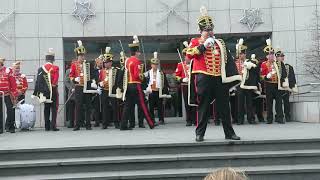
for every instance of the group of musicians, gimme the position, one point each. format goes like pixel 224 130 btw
pixel 207 74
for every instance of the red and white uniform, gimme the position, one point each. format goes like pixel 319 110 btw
pixel 76 71
pixel 206 63
pixel 266 68
pixel 181 70
pixel 134 67
pixel 240 66
pixel 21 81
pixel 7 82
pixel 104 78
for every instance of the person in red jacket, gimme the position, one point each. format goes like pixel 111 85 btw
pixel 213 74
pixel 46 90
pixel 21 80
pixel 182 76
pixel 132 90
pixel 8 87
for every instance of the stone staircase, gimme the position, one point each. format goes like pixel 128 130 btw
pixel 265 159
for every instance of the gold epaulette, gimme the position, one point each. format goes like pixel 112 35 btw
pixel 193 51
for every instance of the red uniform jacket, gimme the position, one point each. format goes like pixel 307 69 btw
pixel 266 67
pixel 104 77
pixel 21 81
pixel 239 65
pixel 135 70
pixel 181 69
pixel 76 71
pixel 208 62
pixel 54 73
pixel 7 82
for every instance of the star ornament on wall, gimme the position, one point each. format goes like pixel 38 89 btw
pixel 172 11
pixel 82 10
pixel 251 18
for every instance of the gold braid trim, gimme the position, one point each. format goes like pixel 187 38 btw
pixel 225 51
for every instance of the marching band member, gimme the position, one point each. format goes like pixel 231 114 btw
pixel 292 88
pixel 9 87
pixel 96 99
pixel 80 75
pixel 46 89
pixel 213 72
pixel 182 75
pixel 157 88
pixel 21 80
pixel 275 76
pixel 106 82
pixel 249 84
pixel 132 90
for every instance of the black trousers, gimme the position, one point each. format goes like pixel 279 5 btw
pixel 70 112
pixel 106 108
pixel 132 120
pixel 53 107
pixel 245 104
pixel 209 88
pixel 286 104
pixel 234 108
pixel 10 121
pixel 117 107
pixel 258 106
pixel 97 114
pixel 135 95
pixel 155 101
pixel 190 110
pixel 83 106
pixel 272 93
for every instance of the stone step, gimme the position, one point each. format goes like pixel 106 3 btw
pixel 155 149
pixel 161 161
pixel 275 172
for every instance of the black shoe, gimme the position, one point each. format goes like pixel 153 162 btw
pixel 55 129
pixel 47 129
pixel 281 121
pixel 161 122
pixel 261 120
pixel 189 124
pixel 12 130
pixel 199 138
pixel 1 132
pixel 76 129
pixel 252 122
pixel 217 123
pixel 125 128
pixel 96 125
pixel 104 127
pixel 88 128
pixel 142 126
pixel 269 122
pixel 233 137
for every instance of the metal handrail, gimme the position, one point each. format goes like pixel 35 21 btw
pixel 3 112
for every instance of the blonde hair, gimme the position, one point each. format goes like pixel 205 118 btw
pixel 226 174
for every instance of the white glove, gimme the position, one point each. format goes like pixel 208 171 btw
pixel 101 84
pixel 209 42
pixel 72 90
pixel 77 79
pixel 148 90
pixel 94 84
pixel 99 90
pixel 269 75
pixel 42 98
pixel 185 80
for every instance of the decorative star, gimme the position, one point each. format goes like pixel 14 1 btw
pixel 2 21
pixel 82 10
pixel 252 18
pixel 171 11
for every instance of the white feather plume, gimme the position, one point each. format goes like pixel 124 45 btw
pixel 185 43
pixel 268 41
pixel 155 55
pixel 79 43
pixel 253 56
pixel 135 39
pixel 122 54
pixel 241 41
pixel 237 46
pixel 108 49
pixel 50 50
pixel 203 11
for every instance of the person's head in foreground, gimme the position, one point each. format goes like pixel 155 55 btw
pixel 226 174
